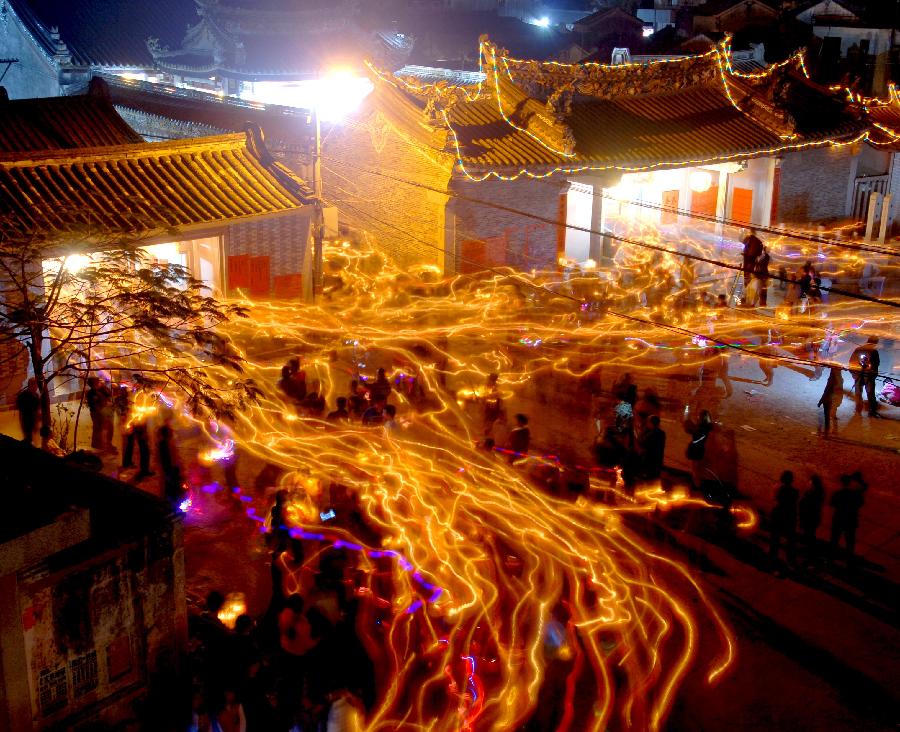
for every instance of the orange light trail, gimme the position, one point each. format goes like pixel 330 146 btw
pixel 511 561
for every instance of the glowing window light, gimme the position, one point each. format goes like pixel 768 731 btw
pixel 700 181
pixel 74 263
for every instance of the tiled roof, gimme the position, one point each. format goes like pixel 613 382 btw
pixel 715 7
pixel 638 116
pixel 58 123
pixel 283 124
pixel 693 124
pixel 145 188
pixel 107 32
pixel 886 124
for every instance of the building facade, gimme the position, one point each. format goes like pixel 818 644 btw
pixel 536 163
pixel 75 174
pixel 92 609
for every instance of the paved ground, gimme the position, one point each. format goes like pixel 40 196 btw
pixel 818 649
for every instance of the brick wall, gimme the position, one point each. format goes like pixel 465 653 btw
pixel 487 235
pixel 815 184
pixel 409 222
pixel 270 257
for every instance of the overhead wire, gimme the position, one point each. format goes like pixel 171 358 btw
pixel 617 237
pixel 624 316
pixel 778 231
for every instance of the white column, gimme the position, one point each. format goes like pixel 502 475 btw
pixel 873 208
pixel 885 217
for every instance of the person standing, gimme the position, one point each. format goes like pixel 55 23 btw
pixel 134 429
pixel 753 247
pixel 653 441
pixel 28 404
pixel 340 414
pixel 832 397
pixel 784 517
pixel 356 402
pixel 867 359
pixel 390 422
pixel 846 503
pixel 380 389
pixel 809 512
pixel 94 399
pixel 696 449
pixel 761 278
pixel 493 405
pixel 173 487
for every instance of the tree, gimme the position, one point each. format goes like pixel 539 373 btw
pixel 106 307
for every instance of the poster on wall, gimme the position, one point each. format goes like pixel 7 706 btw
pixel 79 631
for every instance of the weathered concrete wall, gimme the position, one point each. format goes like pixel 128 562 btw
pixel 96 631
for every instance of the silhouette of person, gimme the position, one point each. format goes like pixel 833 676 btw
pixel 784 517
pixel 846 503
pixel 809 512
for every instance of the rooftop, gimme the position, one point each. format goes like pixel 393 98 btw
pixel 529 116
pixel 142 188
pixel 106 32
pixel 285 125
pixel 39 488
pixel 61 123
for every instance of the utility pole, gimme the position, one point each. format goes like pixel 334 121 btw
pixel 319 223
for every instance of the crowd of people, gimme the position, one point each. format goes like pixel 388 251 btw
pixel 307 663
pixel 366 401
pixel 631 439
pixel 799 516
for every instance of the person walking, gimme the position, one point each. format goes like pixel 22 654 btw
pixel 28 404
pixel 753 247
pixel 846 503
pixel 809 513
pixel 768 359
pixel 784 517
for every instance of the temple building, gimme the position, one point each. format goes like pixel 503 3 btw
pixel 272 51
pixel 530 163
pixel 220 205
